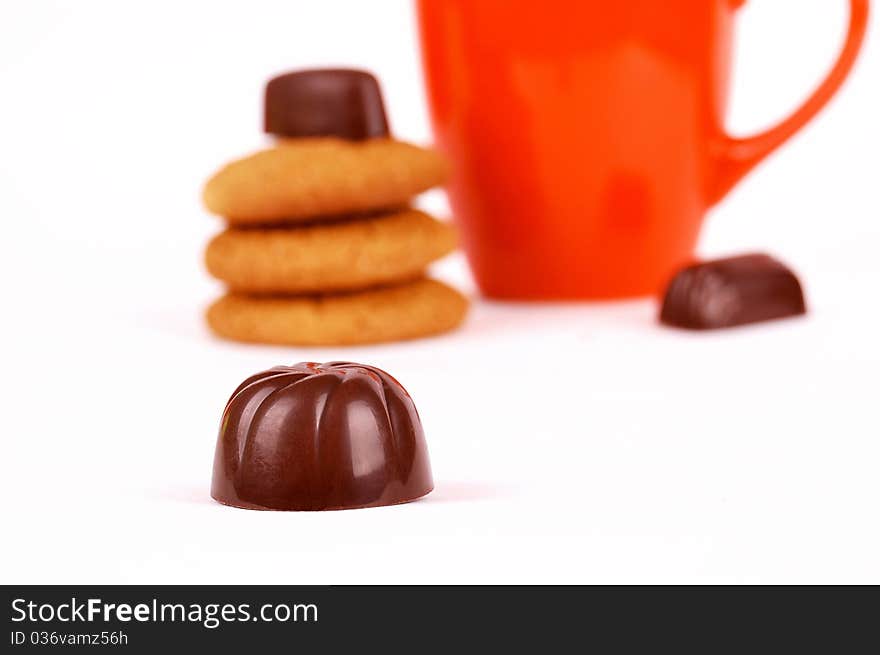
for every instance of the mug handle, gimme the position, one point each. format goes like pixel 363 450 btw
pixel 736 157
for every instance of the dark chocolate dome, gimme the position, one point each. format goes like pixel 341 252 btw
pixel 732 291
pixel 340 102
pixel 320 436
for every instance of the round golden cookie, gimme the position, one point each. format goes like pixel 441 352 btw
pixel 300 179
pixel 415 309
pixel 329 257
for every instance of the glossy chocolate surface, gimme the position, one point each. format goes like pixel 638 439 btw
pixel 325 102
pixel 318 437
pixel 730 292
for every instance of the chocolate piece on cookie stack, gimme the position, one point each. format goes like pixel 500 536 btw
pixel 321 246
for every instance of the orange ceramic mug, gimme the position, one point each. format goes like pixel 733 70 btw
pixel 588 137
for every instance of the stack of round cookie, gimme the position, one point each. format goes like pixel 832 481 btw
pixel 321 247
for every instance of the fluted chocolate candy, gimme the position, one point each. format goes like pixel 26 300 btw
pixel 734 291
pixel 325 102
pixel 319 437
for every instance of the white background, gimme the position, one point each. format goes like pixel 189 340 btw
pixel 578 443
